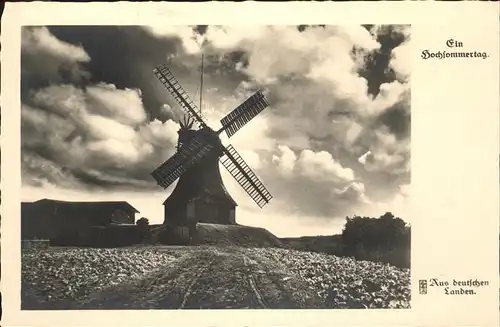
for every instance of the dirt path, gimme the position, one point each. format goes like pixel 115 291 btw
pixel 210 278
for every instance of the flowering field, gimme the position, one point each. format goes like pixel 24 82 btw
pixel 345 282
pixel 207 277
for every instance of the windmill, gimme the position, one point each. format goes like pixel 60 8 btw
pixel 200 194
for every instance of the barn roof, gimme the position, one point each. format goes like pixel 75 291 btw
pixel 76 204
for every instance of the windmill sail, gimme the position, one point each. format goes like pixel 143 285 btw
pixel 245 112
pixel 187 156
pixel 172 85
pixel 244 175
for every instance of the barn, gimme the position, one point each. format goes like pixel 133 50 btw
pixel 54 219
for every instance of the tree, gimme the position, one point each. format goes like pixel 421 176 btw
pixel 143 222
pixel 143 225
pixel 387 215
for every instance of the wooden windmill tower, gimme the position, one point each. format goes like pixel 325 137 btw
pixel 200 195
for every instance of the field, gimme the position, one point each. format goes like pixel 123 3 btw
pixel 206 276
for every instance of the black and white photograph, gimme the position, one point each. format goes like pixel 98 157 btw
pixel 215 167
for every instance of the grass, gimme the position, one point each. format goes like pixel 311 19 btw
pixel 235 235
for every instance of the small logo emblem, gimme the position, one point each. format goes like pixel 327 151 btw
pixel 422 286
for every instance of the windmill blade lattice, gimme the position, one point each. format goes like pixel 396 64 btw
pixel 245 112
pixel 172 85
pixel 181 161
pixel 244 175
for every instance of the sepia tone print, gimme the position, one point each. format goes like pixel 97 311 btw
pixel 210 167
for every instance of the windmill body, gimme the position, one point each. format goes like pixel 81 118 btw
pixel 200 194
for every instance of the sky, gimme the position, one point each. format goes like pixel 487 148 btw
pixel 334 141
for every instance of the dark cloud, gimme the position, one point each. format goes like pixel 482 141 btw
pixel 222 70
pixel 368 26
pixel 70 128
pixel 376 69
pixel 39 170
pixel 124 56
pixel 201 29
pixel 398 119
pixel 47 60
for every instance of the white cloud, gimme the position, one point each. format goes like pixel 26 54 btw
pixel 41 172
pixel 315 166
pixel 124 106
pixel 160 133
pixel 401 59
pixel 46 57
pixel 352 133
pixel 399 204
pixel 251 158
pixel 313 183
pixel 106 128
pixel 108 145
pixel 285 160
pixel 320 166
pixel 321 53
pixel 353 193
pixel 65 100
pixel 191 41
pixel 40 40
pixel 253 136
pixel 390 94
pixel 405 189
pixel 224 37
pixel 362 159
pixel 120 152
pixel 386 153
pixel 319 82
